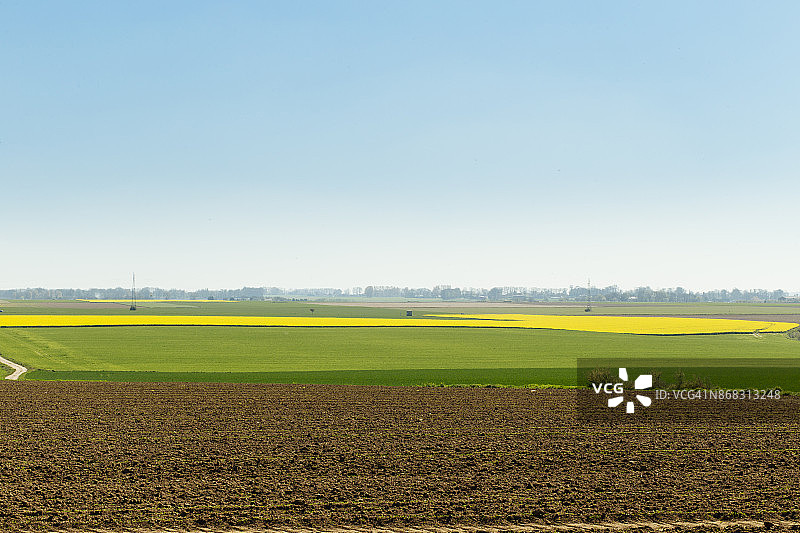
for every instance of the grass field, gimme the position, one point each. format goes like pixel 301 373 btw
pixel 391 356
pixel 199 308
pixel 371 355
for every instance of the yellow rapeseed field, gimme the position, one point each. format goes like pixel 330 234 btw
pixel 606 324
pixel 649 325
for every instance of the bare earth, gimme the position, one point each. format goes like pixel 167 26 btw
pixel 676 526
pixel 217 457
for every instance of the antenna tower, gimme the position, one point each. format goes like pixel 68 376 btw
pixel 133 293
pixel 589 288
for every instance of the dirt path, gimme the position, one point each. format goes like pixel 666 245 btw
pixel 18 369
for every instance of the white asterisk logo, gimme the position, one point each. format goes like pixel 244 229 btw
pixel 644 381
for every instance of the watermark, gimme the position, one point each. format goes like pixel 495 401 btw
pixel 719 394
pixel 644 381
pixel 684 390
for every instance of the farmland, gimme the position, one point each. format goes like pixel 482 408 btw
pixel 216 427
pixel 389 309
pixel 186 456
pixel 357 355
pixel 650 325
pixel 372 345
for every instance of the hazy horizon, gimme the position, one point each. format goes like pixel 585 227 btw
pixel 341 144
pixel 389 285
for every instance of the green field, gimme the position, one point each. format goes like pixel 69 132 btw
pixel 379 356
pixel 200 308
pixel 390 356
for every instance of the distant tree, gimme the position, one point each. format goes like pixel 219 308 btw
pixel 451 294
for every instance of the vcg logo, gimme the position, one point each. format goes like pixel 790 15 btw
pixel 644 381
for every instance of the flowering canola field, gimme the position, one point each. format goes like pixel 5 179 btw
pixel 648 325
pixel 600 324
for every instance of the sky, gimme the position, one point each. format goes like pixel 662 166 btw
pixel 339 144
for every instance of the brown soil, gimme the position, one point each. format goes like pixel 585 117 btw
pixel 153 455
pixel 675 526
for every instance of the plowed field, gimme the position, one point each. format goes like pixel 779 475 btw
pixel 101 455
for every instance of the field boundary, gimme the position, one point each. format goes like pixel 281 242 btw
pixel 511 377
pixel 609 526
pixel 18 369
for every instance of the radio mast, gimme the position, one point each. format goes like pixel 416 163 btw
pixel 133 293
pixel 589 302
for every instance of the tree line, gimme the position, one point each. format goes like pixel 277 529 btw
pixel 440 292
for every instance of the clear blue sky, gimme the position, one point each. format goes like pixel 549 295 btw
pixel 306 144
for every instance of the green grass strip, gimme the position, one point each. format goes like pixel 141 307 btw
pixel 516 377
